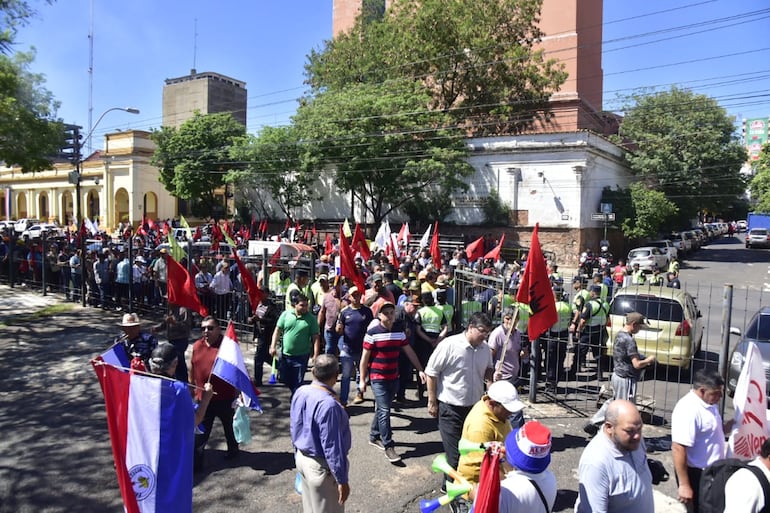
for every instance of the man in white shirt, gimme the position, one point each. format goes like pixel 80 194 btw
pixel 222 286
pixel 744 488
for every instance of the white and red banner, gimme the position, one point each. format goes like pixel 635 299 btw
pixel 150 421
pixel 750 403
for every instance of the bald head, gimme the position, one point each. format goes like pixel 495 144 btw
pixel 623 425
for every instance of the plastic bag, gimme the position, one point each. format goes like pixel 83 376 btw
pixel 242 425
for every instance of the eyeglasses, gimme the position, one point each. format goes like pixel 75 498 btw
pixel 208 328
pixel 482 330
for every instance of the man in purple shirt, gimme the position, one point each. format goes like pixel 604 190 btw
pixel 320 432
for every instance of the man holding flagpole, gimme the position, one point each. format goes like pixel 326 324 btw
pixel 204 354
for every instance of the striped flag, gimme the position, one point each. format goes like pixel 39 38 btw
pixel 229 366
pixel 150 421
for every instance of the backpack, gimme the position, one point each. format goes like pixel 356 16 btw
pixel 714 478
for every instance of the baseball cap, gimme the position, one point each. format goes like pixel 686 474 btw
pixel 596 289
pixel 505 393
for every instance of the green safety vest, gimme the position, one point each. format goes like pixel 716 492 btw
pixel 673 267
pixel 449 313
pixel 598 313
pixel 278 285
pixel 430 319
pixel 637 278
pixel 469 307
pixel 564 314
pixel 524 313
pixel 580 293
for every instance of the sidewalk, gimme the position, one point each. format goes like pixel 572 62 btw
pixel 52 412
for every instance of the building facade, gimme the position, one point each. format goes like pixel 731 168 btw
pixel 206 92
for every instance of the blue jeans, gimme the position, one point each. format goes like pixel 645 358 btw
pixel 331 339
pixel 293 370
pixel 384 391
pixel 348 363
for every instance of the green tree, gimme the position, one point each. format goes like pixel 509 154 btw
pixel 684 145
pixel 272 162
pixel 479 62
pixel 760 184
pixel 496 213
pixel 642 212
pixel 384 146
pixel 194 159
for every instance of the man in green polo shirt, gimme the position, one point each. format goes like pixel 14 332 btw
pixel 301 337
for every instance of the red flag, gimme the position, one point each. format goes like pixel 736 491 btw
pixel 328 247
pixel 488 491
pixel 404 235
pixel 216 236
pixel 347 263
pixel 535 290
pixel 475 250
pixel 435 251
pixel 359 244
pixel 142 230
pixel 165 229
pixel 127 232
pixel 288 223
pixel 197 235
pixel 181 287
pixel 315 233
pixel 228 229
pixel 255 294
pixel 276 258
pixel 494 253
pixel 151 224
pixel 247 235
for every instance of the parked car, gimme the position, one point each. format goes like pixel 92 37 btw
pixel 35 232
pixel 24 224
pixel 676 328
pixel 648 257
pixel 741 225
pixel 685 243
pixel 758 238
pixel 667 246
pixel 758 331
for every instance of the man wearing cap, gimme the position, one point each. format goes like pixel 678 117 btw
pixel 160 275
pixel 637 275
pixel 298 287
pixel 628 367
pixel 488 421
pixel 137 343
pixel 379 361
pixel 613 474
pixel 456 372
pixel 352 323
pixel 319 288
pixel 592 330
pixel 672 280
pixel 378 294
pixel 528 485
pixel 389 284
pixel 431 327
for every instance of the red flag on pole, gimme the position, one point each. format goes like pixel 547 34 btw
pixel 286 226
pixel 315 232
pixel 216 236
pixel 197 235
pixel 494 254
pixel 535 290
pixel 181 287
pixel 488 491
pixel 328 247
pixel 275 260
pixel 475 250
pixel 150 223
pixel 435 251
pixel 347 263
pixel 254 293
pixel 359 243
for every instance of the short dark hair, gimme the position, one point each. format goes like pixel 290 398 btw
pixel 479 320
pixel 326 366
pixel 707 378
pixel 210 318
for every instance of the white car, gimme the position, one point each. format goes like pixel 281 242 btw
pixel 666 246
pixel 24 224
pixel 35 232
pixel 741 225
pixel 648 258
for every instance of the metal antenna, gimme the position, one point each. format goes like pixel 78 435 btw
pixel 195 44
pixel 90 77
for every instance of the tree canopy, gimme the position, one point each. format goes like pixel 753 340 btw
pixel 760 184
pixel 479 63
pixel 684 145
pixel 386 147
pixel 194 159
pixel 272 162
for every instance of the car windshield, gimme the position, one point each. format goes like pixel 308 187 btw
pixel 759 329
pixel 758 231
pixel 652 307
pixel 639 253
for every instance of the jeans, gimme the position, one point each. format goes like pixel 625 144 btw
pixel 293 370
pixel 348 363
pixel 331 339
pixel 384 391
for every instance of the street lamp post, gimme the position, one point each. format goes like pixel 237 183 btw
pixel 76 178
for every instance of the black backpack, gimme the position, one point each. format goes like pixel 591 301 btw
pixel 714 478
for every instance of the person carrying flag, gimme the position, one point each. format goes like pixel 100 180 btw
pixel 204 352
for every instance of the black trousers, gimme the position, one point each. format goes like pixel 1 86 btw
pixel 450 426
pixel 224 411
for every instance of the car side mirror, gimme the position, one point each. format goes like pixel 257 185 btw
pixel 735 331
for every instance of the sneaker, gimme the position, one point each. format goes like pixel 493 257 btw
pixel 390 453
pixel 358 399
pixel 377 443
pixel 591 429
pixel 460 505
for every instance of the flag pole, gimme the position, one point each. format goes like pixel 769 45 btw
pixel 507 336
pixel 144 373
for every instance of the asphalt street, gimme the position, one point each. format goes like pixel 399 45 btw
pixel 55 454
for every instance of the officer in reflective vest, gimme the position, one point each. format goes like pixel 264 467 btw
pixel 558 337
pixel 637 276
pixel 431 328
pixel 592 329
pixel 279 281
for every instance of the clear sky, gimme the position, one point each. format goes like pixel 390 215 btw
pixel 716 47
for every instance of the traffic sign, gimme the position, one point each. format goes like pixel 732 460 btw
pixel 598 216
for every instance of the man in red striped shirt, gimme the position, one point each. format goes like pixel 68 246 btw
pixel 379 361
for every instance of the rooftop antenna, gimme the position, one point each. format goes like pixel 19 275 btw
pixel 90 77
pixel 195 45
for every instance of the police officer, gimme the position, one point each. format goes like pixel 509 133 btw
pixel 431 328
pixel 637 275
pixel 592 328
pixel 278 281
pixel 558 337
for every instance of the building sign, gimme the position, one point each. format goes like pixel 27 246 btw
pixel 756 136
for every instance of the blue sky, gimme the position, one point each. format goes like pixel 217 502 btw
pixel 140 43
